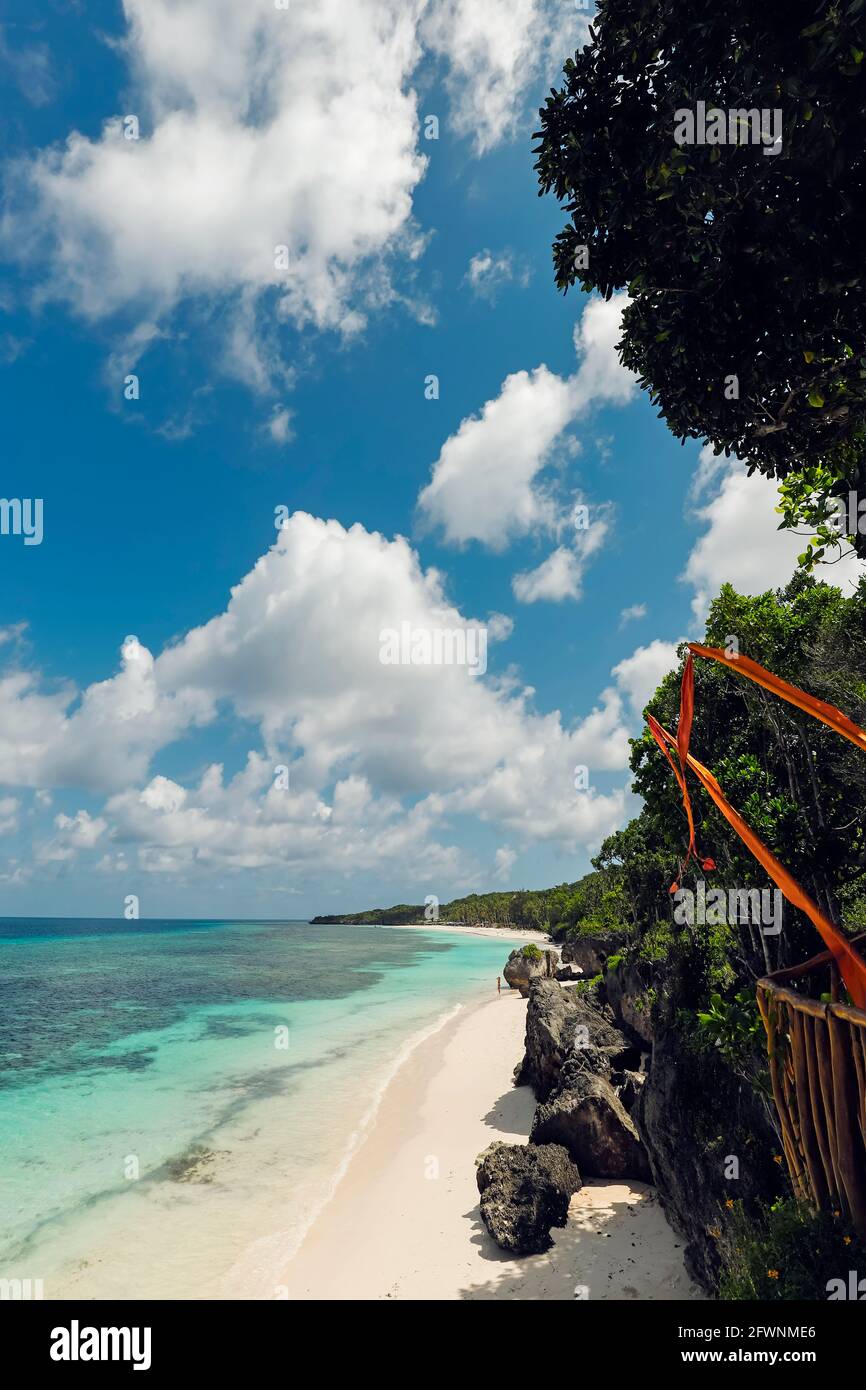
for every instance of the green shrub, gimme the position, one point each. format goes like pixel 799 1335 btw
pixel 732 1025
pixel 657 942
pixel 787 1252
pixel 531 952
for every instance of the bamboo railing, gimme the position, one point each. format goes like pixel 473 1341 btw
pixel 817 1056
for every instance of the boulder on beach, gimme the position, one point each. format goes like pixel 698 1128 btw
pixel 587 1074
pixel 591 1122
pixel 556 1020
pixel 525 1191
pixel 528 963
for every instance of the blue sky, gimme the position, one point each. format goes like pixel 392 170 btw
pixel 408 257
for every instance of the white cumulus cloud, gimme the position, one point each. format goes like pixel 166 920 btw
pixel 560 576
pixel 275 159
pixel 485 484
pixel 379 757
pixel 484 481
pixel 640 674
pixel 741 544
pixel 495 49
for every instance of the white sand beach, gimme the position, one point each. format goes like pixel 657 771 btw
pixel 404 1221
pixel 506 933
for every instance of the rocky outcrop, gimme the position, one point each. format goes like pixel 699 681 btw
pixel 521 969
pixel 709 1139
pixel 589 1120
pixel 557 1020
pixel 629 1091
pixel 590 950
pixel 525 1191
pixel 664 1111
pixel 566 973
pixel 583 1070
pixel 628 990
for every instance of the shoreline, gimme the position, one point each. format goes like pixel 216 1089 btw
pixel 245 1273
pixel 403 1220
pixel 503 933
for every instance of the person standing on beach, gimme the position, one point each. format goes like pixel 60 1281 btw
pixel 498 984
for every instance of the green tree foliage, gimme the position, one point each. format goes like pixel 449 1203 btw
pixel 799 786
pixel 738 263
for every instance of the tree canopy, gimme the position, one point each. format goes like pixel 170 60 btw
pixel 801 787
pixel 798 785
pixel 745 267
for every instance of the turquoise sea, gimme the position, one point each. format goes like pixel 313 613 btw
pixel 177 1099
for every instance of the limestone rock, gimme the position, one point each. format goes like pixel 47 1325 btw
pixel 693 1113
pixel 568 972
pixel 525 1190
pixel 520 970
pixel 626 991
pixel 556 1020
pixel 590 950
pixel 590 1121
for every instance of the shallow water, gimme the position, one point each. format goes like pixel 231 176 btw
pixel 177 1098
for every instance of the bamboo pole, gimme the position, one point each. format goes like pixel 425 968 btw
pixel 816 1102
pixel 825 1077
pixel 808 1128
pixel 845 1101
pixel 788 1144
pixel 854 1036
pixel 789 1087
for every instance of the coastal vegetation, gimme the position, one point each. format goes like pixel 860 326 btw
pixel 785 1251
pixel 686 989
pixel 802 789
pixel 590 900
pixel 762 243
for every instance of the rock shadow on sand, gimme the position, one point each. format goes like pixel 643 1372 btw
pixel 511 1114
pixel 617 1245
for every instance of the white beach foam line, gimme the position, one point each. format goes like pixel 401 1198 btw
pixel 501 933
pixel 262 1261
pixel 405 1223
